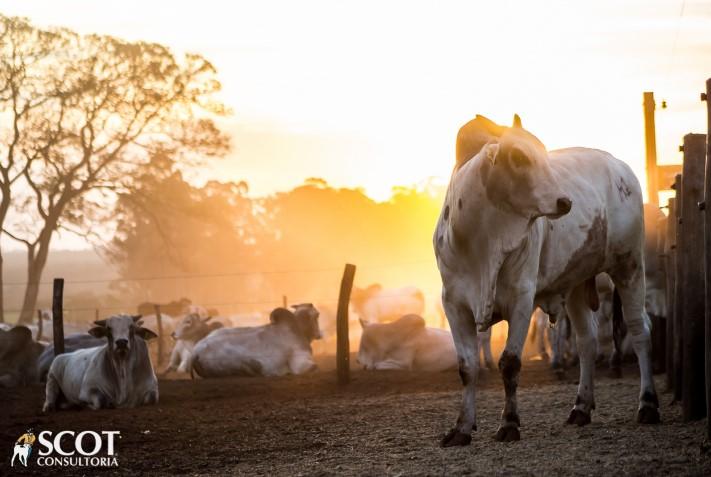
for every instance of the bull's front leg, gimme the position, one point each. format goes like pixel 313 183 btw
pixel 461 322
pixel 510 367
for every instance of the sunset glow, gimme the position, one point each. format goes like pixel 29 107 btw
pixel 371 94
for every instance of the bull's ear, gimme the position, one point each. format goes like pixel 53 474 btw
pixel 100 322
pixel 146 334
pixel 136 318
pixel 98 331
pixel 491 150
pixel 517 122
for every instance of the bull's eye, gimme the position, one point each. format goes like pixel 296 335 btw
pixel 519 159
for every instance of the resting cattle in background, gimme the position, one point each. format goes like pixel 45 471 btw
pixel 408 344
pixel 72 343
pixel 375 304
pixel 18 357
pixel 522 227
pixel 189 331
pixel 117 374
pixel 281 347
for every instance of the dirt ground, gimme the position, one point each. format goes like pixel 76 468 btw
pixel 383 423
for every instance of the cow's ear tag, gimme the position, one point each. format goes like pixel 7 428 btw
pixel 492 150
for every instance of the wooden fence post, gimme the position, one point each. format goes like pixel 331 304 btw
pixel 283 301
pixel 159 324
pixel 669 262
pixel 692 249
pixel 707 248
pixel 678 290
pixel 343 345
pixel 58 315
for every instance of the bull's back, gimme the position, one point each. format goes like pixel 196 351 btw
pixel 70 369
pixel 241 352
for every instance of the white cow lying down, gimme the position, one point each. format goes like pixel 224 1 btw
pixel 281 347
pixel 406 344
pixel 117 374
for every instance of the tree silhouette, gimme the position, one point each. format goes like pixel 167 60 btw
pixel 104 106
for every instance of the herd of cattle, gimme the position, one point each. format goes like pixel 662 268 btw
pixel 555 240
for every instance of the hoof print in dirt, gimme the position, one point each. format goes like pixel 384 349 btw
pixel 456 438
pixel 648 415
pixel 578 417
pixel 508 433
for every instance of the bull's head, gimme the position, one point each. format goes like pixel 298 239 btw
pixel 192 327
pixel 121 332
pixel 502 183
pixel 307 318
pixel 303 321
pixel 517 176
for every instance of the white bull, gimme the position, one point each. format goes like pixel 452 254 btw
pixel 376 304
pixel 117 374
pixel 406 344
pixel 522 227
pixel 281 347
pixel 191 329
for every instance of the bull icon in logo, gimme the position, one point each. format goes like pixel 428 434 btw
pixel 23 448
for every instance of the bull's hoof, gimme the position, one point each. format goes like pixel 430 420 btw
pixel 615 372
pixel 456 438
pixel 508 433
pixel 578 417
pixel 648 415
pixel 559 373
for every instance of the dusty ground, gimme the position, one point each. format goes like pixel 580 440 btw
pixel 385 423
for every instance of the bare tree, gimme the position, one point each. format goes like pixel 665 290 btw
pixel 108 104
pixel 24 54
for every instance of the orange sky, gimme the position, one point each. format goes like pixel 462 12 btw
pixel 372 93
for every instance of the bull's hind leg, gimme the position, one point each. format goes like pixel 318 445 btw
pixel 581 319
pixel 464 334
pixel 629 283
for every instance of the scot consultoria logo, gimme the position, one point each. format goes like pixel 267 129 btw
pixel 23 448
pixel 67 449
